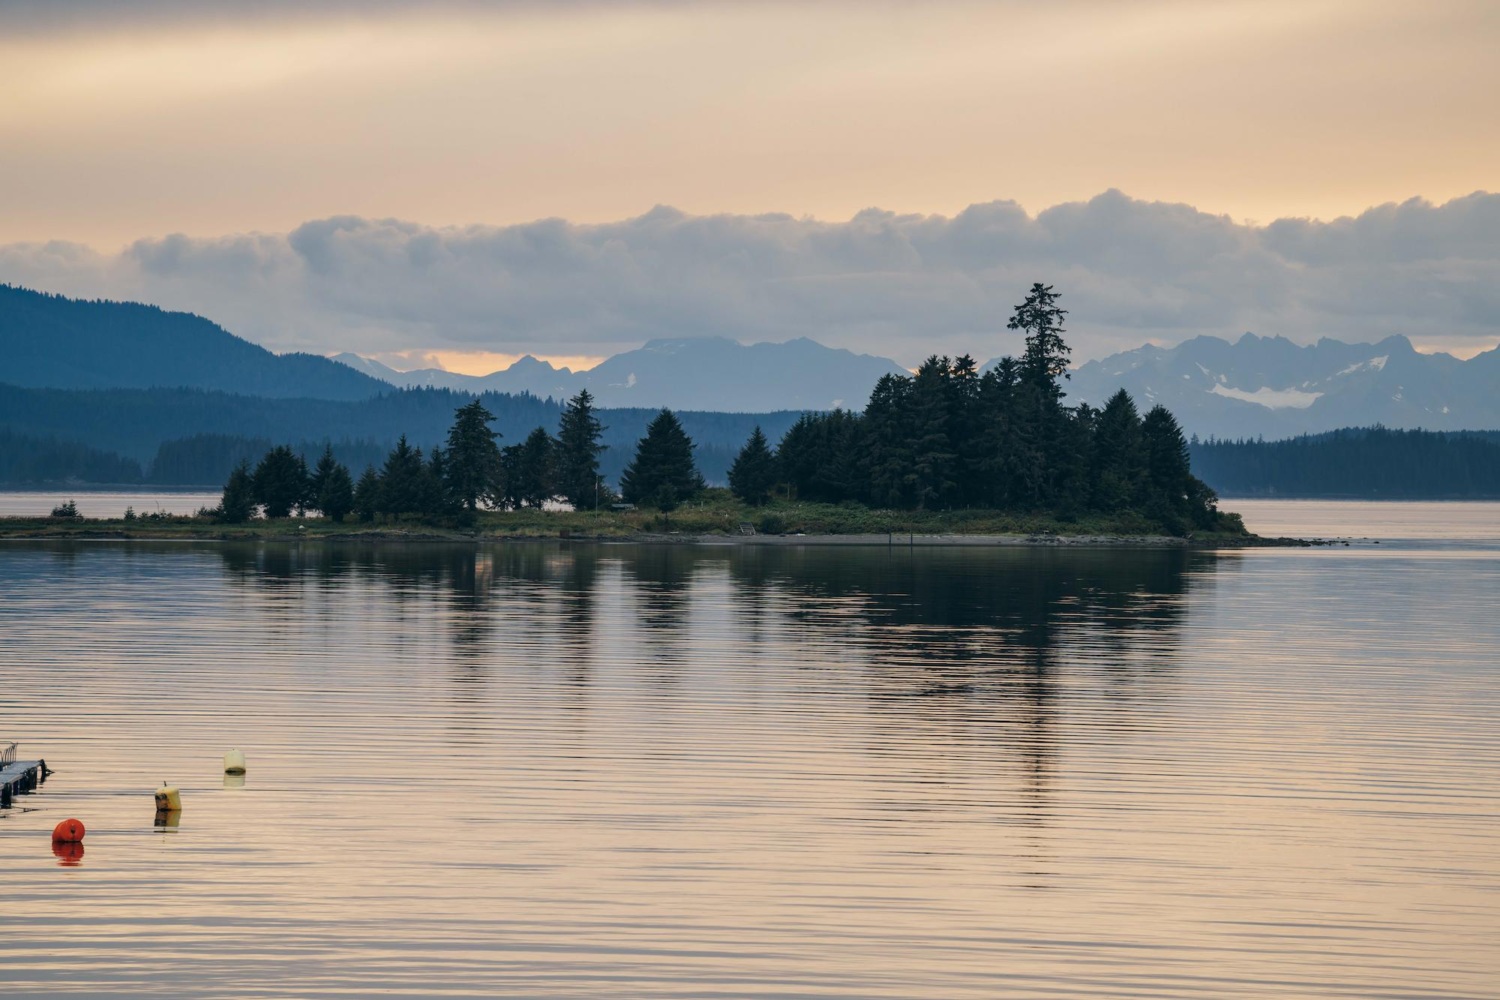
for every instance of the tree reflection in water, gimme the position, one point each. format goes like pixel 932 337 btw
pixel 993 653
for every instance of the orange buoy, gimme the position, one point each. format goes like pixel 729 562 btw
pixel 69 831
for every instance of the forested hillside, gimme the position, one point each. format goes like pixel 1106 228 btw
pixel 194 437
pixel 57 342
pixel 1372 463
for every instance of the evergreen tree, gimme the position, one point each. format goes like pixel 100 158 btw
pixel 1119 475
pixel 472 467
pixel 1046 357
pixel 367 494
pixel 799 456
pixel 753 474
pixel 576 465
pixel 662 472
pixel 1072 461
pixel 331 488
pixel 237 505
pixel 1169 481
pixel 838 479
pixel 934 457
pixel 886 457
pixel 999 443
pixel 438 497
pixel 966 430
pixel 403 481
pixel 510 478
pixel 279 482
pixel 532 471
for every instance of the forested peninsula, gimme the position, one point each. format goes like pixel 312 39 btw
pixel 947 449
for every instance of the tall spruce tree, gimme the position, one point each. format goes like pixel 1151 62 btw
pixel 662 473
pixel 934 454
pixel 367 494
pixel 331 489
pixel 576 458
pixel 471 467
pixel 1169 479
pixel 800 456
pixel 529 477
pixel 753 474
pixel 1119 455
pixel 1046 356
pixel 237 505
pixel 966 431
pixel 837 477
pixel 279 482
pixel 998 446
pixel 439 499
pixel 403 481
pixel 886 458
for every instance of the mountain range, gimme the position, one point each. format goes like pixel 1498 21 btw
pixel 1252 387
pixel 1270 387
pixel 699 373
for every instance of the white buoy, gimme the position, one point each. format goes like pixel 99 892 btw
pixel 168 799
pixel 234 762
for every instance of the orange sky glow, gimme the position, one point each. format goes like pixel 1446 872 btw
pixel 499 114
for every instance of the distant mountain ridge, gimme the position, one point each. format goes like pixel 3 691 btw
pixel 1252 387
pixel 698 373
pixel 49 341
pixel 1268 386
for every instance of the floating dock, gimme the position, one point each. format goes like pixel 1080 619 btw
pixel 17 777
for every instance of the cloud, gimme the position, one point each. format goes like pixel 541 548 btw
pixel 898 285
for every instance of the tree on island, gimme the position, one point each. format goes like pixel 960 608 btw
pixel 403 481
pixel 331 489
pixel 367 494
pixel 529 471
pixel 237 505
pixel 439 499
pixel 1045 359
pixel 576 458
pixel 1174 495
pixel 662 473
pixel 943 437
pixel 472 467
pixel 948 436
pixel 1119 458
pixel 279 482
pixel 753 475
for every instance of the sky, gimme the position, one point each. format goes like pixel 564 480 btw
pixel 466 182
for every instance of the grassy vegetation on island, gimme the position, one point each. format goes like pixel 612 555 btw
pixel 716 512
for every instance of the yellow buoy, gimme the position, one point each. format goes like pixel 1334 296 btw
pixel 234 762
pixel 168 799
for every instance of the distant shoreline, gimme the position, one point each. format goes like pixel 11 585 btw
pixel 43 529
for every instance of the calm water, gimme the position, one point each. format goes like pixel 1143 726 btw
pixel 553 770
pixel 106 503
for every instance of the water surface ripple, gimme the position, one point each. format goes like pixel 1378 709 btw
pixel 570 770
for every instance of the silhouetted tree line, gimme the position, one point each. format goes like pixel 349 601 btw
pixel 950 437
pixel 1357 462
pixel 468 472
